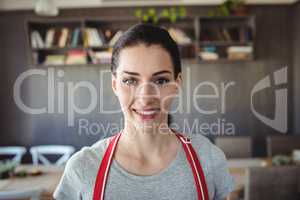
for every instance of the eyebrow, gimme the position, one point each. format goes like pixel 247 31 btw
pixel 154 74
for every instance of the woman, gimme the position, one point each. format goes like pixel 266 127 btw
pixel 147 159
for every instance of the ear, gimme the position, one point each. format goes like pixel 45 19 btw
pixel 114 83
pixel 179 80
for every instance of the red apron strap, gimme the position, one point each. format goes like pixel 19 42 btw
pixel 191 155
pixel 196 167
pixel 103 171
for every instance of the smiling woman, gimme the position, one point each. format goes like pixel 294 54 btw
pixel 147 159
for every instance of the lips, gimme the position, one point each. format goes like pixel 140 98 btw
pixel 147 114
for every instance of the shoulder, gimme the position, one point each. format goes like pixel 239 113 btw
pixel 214 164
pixel 84 164
pixel 80 171
pixel 205 147
pixel 88 155
pixel 209 153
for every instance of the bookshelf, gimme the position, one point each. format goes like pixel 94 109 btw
pixel 226 38
pixel 89 41
pixel 73 42
pixel 184 33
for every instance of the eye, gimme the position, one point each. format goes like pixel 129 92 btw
pixel 129 81
pixel 161 81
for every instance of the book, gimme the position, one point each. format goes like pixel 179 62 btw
pixel 89 37
pixel 95 40
pixel 76 57
pixel 75 37
pixel 36 40
pixel 63 37
pixel 226 35
pixel 50 37
pixel 115 38
pixel 208 55
pixel 239 52
pixel 100 57
pixel 240 49
pixel 218 34
pixel 54 60
pixel 34 43
pixel 57 36
pixel 179 36
pixel 69 38
pixel 85 38
pixel 102 36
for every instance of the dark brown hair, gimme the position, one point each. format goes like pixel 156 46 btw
pixel 148 35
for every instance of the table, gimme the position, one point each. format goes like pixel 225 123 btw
pixel 47 181
pixel 238 168
pixel 52 174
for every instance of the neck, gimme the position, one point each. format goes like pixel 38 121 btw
pixel 146 143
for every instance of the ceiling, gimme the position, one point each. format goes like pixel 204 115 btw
pixel 29 4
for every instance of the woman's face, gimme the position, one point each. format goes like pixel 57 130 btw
pixel 145 84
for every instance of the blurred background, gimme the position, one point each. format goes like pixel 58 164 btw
pixel 241 68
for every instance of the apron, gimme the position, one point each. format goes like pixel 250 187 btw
pixel 191 156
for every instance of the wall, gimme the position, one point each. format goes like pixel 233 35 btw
pixel 273 52
pixel 296 68
pixel 29 4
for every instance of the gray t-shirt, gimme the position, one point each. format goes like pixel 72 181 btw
pixel 174 182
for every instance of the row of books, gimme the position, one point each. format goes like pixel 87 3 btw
pixel 240 34
pixel 231 52
pixel 94 37
pixel 74 57
pixel 56 38
pixel 179 36
pixel 239 53
pixel 67 37
pixel 78 57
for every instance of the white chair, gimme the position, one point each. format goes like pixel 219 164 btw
pixel 38 152
pixel 32 194
pixel 15 151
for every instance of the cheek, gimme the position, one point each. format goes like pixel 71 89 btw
pixel 167 96
pixel 125 96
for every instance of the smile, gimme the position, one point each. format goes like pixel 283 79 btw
pixel 147 114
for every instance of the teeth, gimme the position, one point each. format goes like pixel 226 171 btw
pixel 147 112
pixel 150 112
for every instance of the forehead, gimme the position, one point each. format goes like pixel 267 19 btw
pixel 145 60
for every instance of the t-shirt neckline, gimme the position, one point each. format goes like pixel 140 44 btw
pixel 157 175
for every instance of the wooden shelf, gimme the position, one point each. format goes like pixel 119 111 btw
pixel 223 61
pixel 58 48
pixel 224 43
pixel 192 26
pixel 224 18
pixel 99 47
pixel 185 62
pixel 220 33
pixel 75 65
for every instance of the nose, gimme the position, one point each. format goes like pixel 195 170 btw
pixel 147 93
